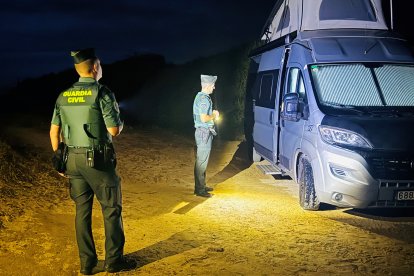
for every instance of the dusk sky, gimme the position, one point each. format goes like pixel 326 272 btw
pixel 37 36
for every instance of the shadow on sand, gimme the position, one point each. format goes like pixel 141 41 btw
pixel 384 214
pixel 400 220
pixel 238 163
pixel 176 244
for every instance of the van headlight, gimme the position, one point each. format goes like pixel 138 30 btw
pixel 338 136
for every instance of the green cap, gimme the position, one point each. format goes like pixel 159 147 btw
pixel 82 55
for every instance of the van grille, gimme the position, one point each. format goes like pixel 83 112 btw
pixel 391 167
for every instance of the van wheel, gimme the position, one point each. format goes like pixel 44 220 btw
pixel 308 199
pixel 256 157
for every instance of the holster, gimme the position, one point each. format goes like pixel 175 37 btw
pixel 60 157
pixel 101 157
pixel 213 130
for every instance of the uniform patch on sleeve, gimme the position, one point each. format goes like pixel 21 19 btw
pixel 204 104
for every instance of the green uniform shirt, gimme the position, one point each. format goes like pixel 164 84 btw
pixel 202 105
pixel 80 94
pixel 107 103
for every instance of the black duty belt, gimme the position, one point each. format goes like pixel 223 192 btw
pixel 73 149
pixel 208 130
pixel 78 149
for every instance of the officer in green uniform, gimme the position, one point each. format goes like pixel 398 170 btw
pixel 204 116
pixel 85 118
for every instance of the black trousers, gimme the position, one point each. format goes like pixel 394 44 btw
pixel 85 182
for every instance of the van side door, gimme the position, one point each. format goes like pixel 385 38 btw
pixel 266 110
pixel 264 113
pixel 291 132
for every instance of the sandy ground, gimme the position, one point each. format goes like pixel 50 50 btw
pixel 252 226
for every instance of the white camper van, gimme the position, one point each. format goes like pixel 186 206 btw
pixel 333 103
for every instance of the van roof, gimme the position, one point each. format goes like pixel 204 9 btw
pixel 290 16
pixel 357 46
pixel 329 46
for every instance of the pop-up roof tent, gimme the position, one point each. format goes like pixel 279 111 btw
pixel 289 16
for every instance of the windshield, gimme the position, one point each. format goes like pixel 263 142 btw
pixel 364 85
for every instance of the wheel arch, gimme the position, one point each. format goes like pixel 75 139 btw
pixel 299 154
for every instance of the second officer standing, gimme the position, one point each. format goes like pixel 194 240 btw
pixel 204 116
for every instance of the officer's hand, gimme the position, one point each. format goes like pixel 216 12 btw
pixel 216 114
pixel 64 175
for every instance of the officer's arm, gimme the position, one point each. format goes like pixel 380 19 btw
pixel 110 112
pixel 204 105
pixel 115 131
pixel 54 136
pixel 206 118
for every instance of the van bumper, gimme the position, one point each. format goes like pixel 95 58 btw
pixel 347 182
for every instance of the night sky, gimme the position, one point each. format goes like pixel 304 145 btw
pixel 38 35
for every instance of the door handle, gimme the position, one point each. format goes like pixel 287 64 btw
pixel 271 118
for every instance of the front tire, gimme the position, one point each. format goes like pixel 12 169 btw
pixel 308 199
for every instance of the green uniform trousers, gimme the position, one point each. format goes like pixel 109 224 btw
pixel 204 140
pixel 85 182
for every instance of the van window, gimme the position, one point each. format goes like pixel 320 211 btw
pixel 347 10
pixel 397 84
pixel 266 90
pixel 364 85
pixel 295 83
pixel 345 85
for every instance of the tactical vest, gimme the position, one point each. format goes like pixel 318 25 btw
pixel 82 121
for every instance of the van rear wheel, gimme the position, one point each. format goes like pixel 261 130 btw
pixel 308 199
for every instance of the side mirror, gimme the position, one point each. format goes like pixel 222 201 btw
pixel 291 108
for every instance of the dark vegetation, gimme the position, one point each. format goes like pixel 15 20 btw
pixel 152 92
pixel 167 98
pixel 23 182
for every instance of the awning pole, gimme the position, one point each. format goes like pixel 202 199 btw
pixel 392 16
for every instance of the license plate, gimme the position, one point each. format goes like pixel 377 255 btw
pixel 405 195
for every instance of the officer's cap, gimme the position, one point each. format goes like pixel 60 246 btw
pixel 206 79
pixel 82 55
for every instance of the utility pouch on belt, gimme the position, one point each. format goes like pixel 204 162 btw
pixel 90 158
pixel 60 157
pixel 101 157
